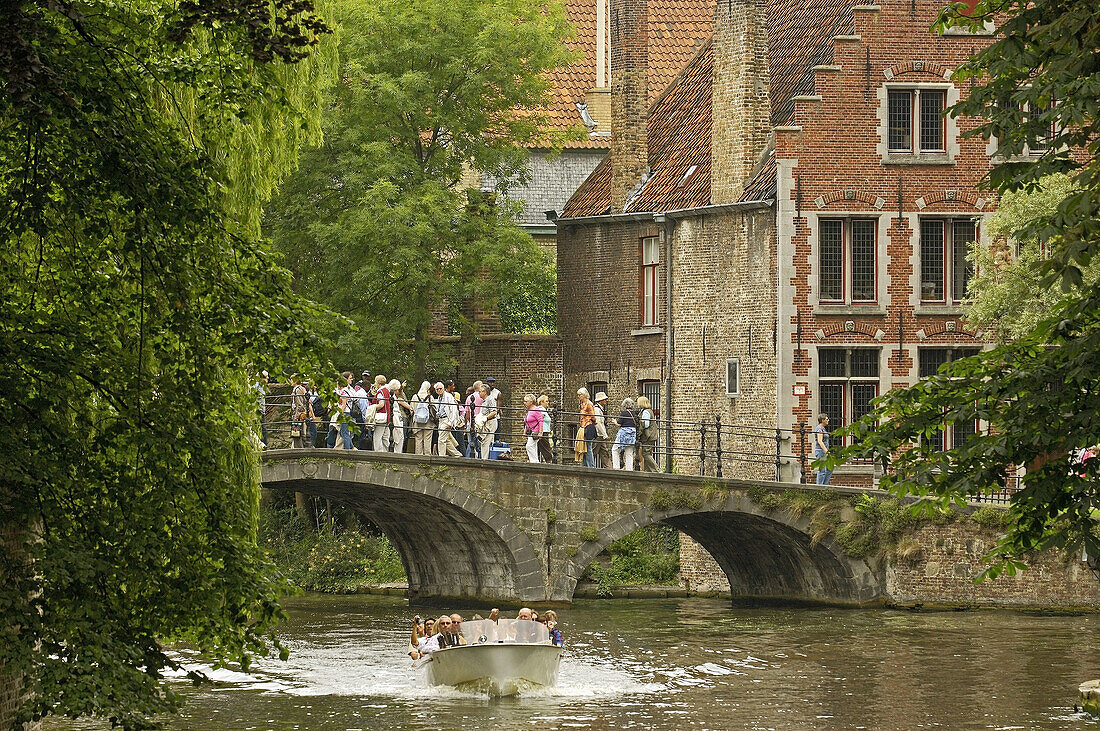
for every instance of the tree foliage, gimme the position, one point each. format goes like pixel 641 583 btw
pixel 1036 84
pixel 135 153
pixel 377 224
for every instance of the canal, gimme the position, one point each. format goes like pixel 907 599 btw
pixel 678 664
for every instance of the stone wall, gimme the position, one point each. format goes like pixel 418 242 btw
pixel 941 574
pixel 951 556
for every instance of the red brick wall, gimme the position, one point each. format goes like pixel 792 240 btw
pixel 831 163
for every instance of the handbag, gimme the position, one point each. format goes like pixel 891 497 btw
pixel 295 432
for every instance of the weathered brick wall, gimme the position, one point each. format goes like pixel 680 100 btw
pixel 724 308
pixel 629 97
pixel 599 308
pixel 833 162
pixel 699 572
pixel 941 574
pixel 951 556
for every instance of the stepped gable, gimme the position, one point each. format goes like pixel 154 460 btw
pixel 677 30
pixel 800 37
pixel 800 34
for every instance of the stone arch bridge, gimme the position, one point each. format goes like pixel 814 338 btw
pixel 489 531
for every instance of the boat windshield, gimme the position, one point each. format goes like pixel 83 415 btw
pixel 522 631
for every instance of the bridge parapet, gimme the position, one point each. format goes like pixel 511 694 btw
pixel 497 531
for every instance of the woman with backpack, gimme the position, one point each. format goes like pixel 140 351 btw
pixel 423 419
pixel 402 412
pixel 622 454
pixel 647 435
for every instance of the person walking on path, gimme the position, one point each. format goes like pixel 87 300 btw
pixel 622 454
pixel 821 447
pixel 647 435
pixel 302 412
pixel 402 412
pixel 587 427
pixel 473 408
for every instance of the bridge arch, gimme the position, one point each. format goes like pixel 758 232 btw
pixel 453 543
pixel 765 556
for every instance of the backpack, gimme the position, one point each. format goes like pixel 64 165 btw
pixel 319 408
pixel 422 414
pixel 356 411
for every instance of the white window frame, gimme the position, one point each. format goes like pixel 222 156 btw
pixel 650 281
pixel 736 390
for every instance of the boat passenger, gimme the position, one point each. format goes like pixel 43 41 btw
pixel 444 637
pixel 417 638
pixel 524 613
pixel 551 618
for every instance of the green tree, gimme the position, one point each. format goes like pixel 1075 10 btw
pixel 137 143
pixel 1007 293
pixel 1036 84
pixel 376 224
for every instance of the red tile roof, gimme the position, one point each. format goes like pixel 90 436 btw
pixel 677 30
pixel 800 37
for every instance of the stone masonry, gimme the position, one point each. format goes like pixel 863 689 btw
pixel 486 531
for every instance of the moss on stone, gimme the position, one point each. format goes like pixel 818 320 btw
pixel 589 534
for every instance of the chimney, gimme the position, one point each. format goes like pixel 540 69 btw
pixel 741 108
pixel 629 98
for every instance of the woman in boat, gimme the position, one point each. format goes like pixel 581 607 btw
pixel 551 618
pixel 419 634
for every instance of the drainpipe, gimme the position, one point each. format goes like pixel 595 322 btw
pixel 668 226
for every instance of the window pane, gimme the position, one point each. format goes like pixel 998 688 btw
pixel 931 359
pixel 931 259
pixel 832 259
pixel 900 121
pixel 862 395
pixel 832 403
pixel 732 382
pixel 936 440
pixel 650 251
pixel 832 363
pixel 962 432
pixel 931 120
pixel 963 237
pixel 864 363
pixel 649 295
pixel 863 260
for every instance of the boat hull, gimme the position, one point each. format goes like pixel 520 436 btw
pixel 498 669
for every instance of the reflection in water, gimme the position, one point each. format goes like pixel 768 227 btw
pixel 673 664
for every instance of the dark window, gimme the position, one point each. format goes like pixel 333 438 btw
pixel 848 254
pixel 832 259
pixel 945 270
pixel 932 104
pixel 847 383
pixel 931 260
pixel 900 113
pixel 929 362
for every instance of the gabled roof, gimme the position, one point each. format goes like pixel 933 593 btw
pixel 678 132
pixel 677 29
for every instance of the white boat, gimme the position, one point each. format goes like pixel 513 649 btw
pixel 499 658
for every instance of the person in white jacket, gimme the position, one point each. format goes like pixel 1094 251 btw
pixel 487 421
pixel 446 444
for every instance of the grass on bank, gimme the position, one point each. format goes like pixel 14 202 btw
pixel 338 554
pixel 648 556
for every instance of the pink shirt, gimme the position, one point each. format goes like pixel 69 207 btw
pixel 533 421
pixel 475 399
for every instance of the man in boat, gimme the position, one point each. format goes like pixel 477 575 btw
pixel 446 636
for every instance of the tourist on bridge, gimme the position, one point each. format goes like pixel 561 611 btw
pixel 622 454
pixel 546 447
pixel 402 413
pixel 360 404
pixel 301 412
pixel 473 408
pixel 821 447
pixel 342 417
pixel 587 427
pixel 602 458
pixel 647 435
pixel 446 445
pixel 532 427
pixel 382 417
pixel 459 429
pixel 320 414
pixel 488 420
pixel 423 419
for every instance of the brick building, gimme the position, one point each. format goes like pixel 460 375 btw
pixel 791 236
